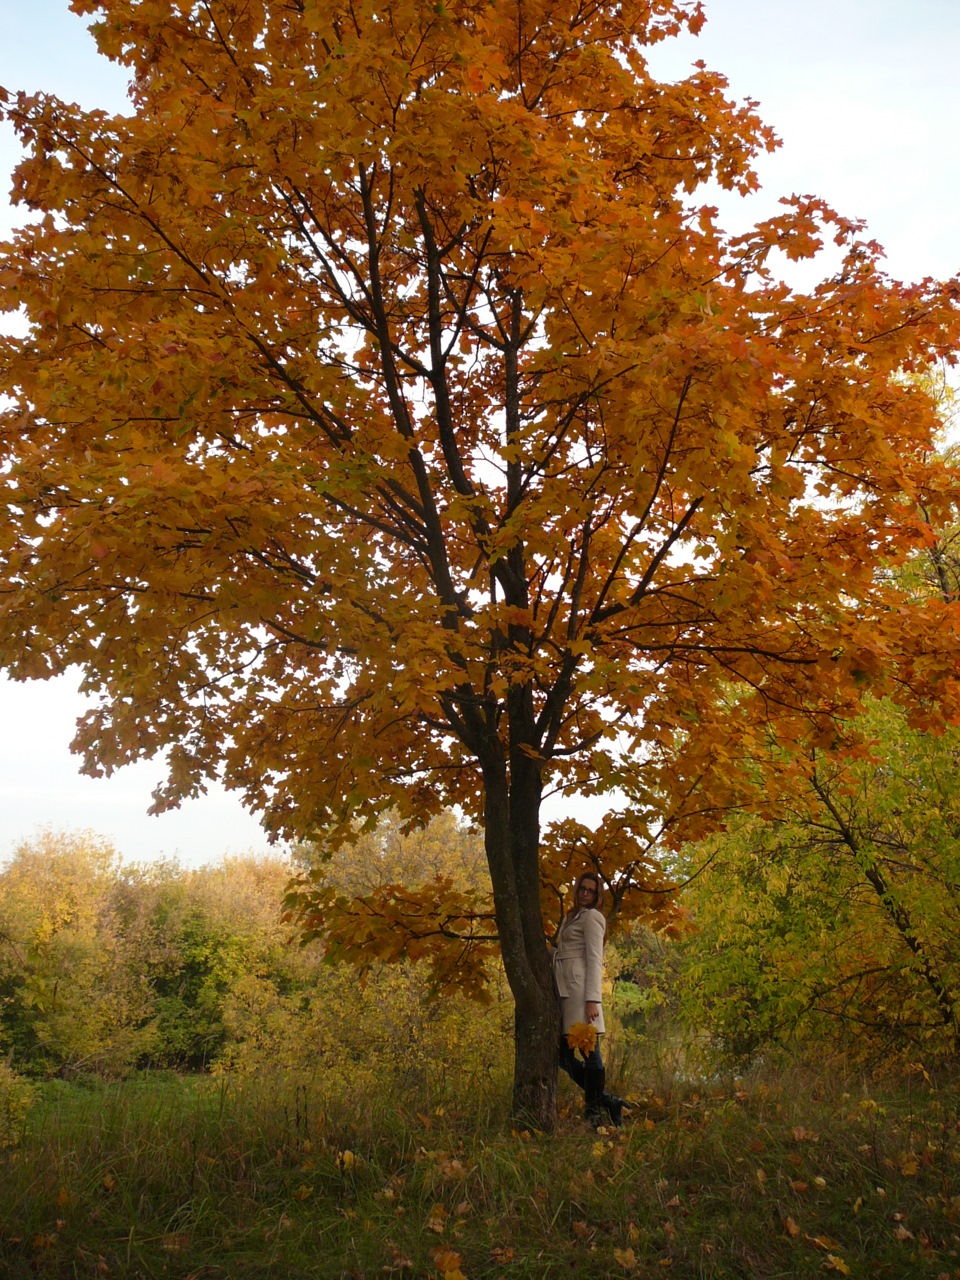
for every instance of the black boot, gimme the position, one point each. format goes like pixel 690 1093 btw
pixel 594 1080
pixel 614 1107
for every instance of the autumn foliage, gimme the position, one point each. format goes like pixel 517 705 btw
pixel 395 428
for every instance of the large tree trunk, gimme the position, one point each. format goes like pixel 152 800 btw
pixel 512 838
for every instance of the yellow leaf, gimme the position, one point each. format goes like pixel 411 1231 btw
pixel 626 1258
pixel 791 1227
pixel 582 1037
pixel 834 1263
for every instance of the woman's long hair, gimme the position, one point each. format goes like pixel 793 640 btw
pixel 597 884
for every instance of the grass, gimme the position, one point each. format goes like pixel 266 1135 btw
pixel 230 1180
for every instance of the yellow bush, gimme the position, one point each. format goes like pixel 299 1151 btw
pixel 16 1099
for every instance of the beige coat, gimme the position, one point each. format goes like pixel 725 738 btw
pixel 578 965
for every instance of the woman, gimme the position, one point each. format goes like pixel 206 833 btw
pixel 578 974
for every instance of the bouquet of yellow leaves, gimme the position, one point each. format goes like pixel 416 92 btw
pixel 582 1037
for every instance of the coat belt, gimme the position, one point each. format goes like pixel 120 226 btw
pixel 572 953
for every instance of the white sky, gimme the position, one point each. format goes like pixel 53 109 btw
pixel 865 96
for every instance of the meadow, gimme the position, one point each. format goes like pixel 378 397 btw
pixel 198 1178
pixel 188 1096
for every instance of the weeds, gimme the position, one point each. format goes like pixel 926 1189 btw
pixel 177 1178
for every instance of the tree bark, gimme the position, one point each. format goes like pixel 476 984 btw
pixel 511 834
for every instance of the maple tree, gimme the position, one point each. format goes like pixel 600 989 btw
pixel 394 429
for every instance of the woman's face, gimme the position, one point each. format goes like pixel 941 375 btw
pixel 586 893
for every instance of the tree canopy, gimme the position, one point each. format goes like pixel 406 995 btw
pixel 395 427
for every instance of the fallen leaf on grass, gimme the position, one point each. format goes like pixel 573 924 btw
pixel 799 1187
pixel 174 1242
pixel 437 1219
pixel 447 1262
pixel 791 1227
pixel 626 1258
pixel 903 1233
pixel 502 1253
pixel 398 1260
pixel 823 1242
pixel 800 1134
pixel 303 1192
pixel 833 1263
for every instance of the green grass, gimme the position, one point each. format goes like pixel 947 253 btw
pixel 170 1177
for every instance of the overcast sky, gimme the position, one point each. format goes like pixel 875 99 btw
pixel 865 96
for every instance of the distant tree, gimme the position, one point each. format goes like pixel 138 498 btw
pixel 394 430
pixel 73 997
pixel 203 933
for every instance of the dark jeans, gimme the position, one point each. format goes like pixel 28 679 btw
pixel 575 1066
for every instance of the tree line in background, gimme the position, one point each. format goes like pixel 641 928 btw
pixel 106 967
pixel 831 923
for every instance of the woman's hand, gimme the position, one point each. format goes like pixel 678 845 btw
pixel 593 1010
